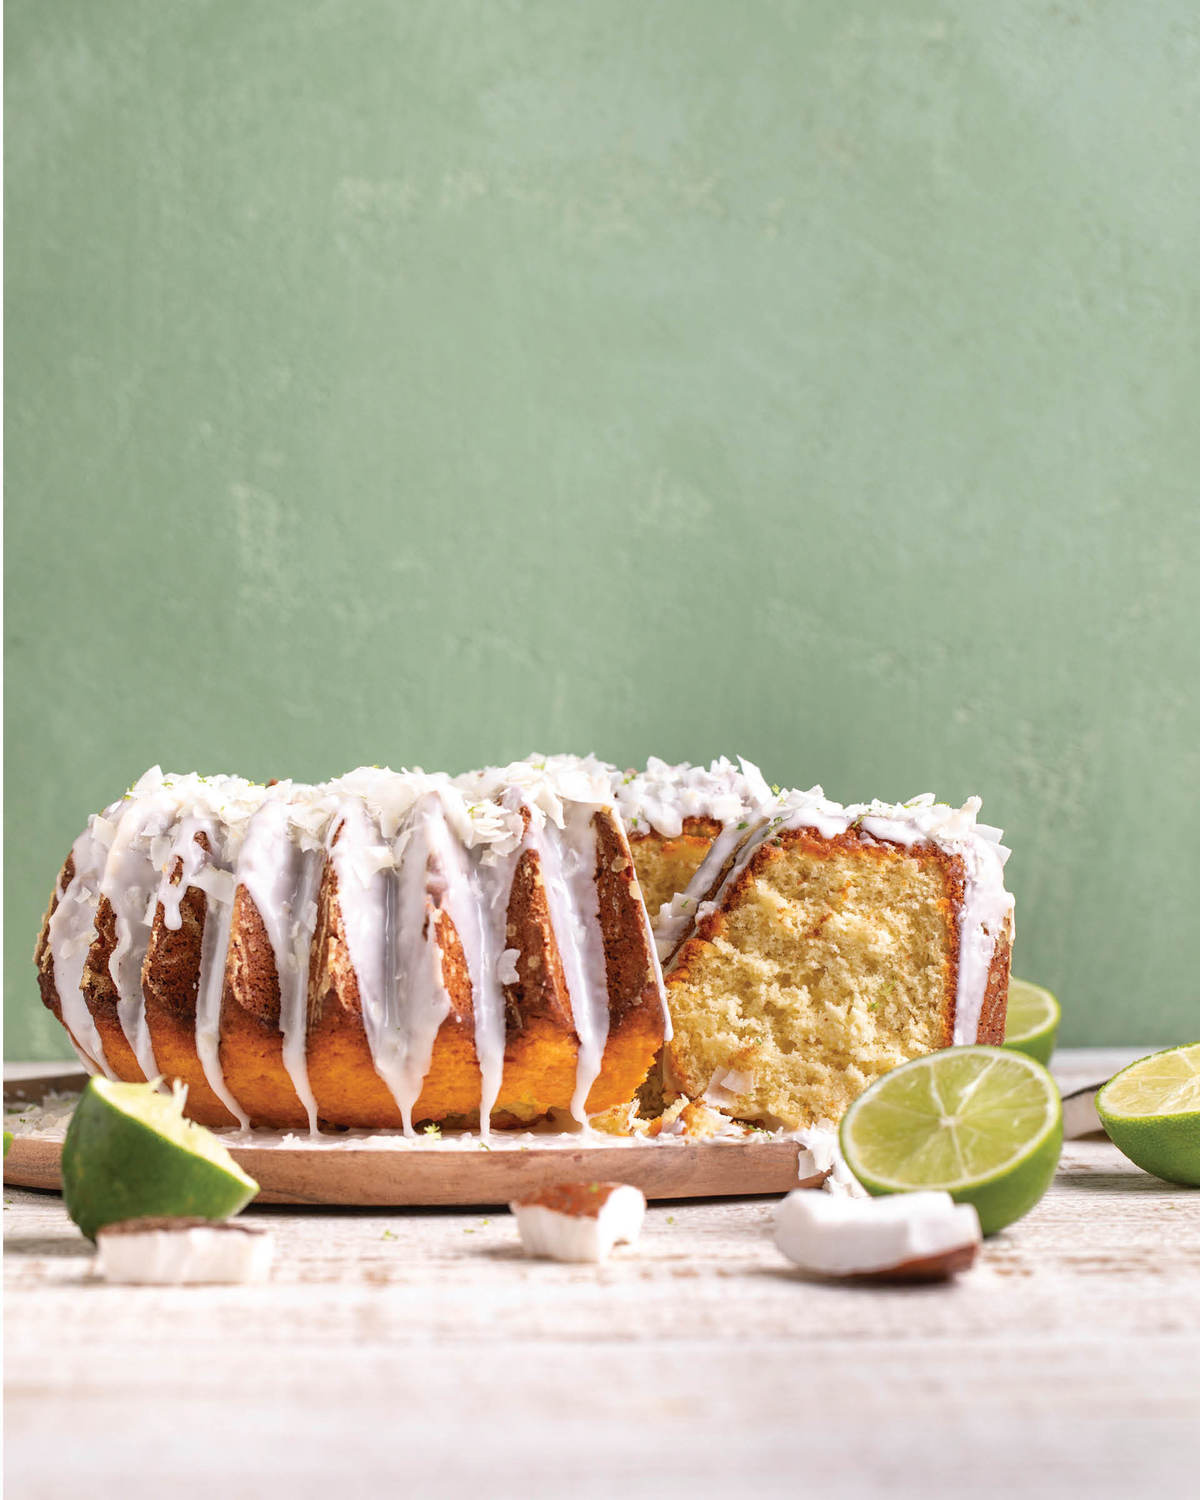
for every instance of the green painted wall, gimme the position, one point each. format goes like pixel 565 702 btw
pixel 425 383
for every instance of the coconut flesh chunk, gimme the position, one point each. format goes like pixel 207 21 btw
pixel 580 1221
pixel 924 1235
pixel 1079 1112
pixel 180 1252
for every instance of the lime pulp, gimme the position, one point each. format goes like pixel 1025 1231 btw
pixel 1151 1112
pixel 981 1123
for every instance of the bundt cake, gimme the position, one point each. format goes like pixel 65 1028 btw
pixel 393 948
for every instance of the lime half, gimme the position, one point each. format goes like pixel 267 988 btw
pixel 982 1123
pixel 1032 1022
pixel 1151 1111
pixel 129 1153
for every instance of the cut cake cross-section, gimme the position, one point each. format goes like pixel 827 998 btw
pixel 819 947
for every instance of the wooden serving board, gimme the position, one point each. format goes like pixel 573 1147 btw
pixel 338 1171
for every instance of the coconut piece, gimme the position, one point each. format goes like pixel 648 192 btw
pixel 923 1236
pixel 1079 1112
pixel 580 1220
pixel 664 1123
pixel 180 1252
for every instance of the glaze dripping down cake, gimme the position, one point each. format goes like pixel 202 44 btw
pixel 395 948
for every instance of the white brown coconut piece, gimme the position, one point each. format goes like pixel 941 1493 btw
pixel 1079 1112
pixel 580 1220
pixel 180 1251
pixel 923 1236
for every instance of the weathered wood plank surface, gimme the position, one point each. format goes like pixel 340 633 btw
pixel 415 1352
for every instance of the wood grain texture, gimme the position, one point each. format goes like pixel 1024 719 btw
pixel 420 1353
pixel 441 1177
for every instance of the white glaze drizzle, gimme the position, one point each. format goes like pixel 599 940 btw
pixel 154 828
pixel 561 794
pixel 203 868
pixel 567 856
pixel 281 873
pixel 82 1055
pixel 390 892
pixel 416 986
pixel 70 933
pixel 129 882
pixel 362 863
pixel 410 846
pixel 475 894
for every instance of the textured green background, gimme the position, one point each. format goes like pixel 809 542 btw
pixel 425 383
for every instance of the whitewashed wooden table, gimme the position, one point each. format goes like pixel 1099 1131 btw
pixel 417 1353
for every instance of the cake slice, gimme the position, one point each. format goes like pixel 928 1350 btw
pixel 824 945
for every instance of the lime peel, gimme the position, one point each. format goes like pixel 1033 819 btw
pixel 1031 1020
pixel 1151 1112
pixel 130 1153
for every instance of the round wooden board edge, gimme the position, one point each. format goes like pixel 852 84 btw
pixel 375 1177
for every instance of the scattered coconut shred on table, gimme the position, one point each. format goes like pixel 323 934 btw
pixel 49 1118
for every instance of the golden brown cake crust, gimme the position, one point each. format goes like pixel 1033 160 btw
pixel 251 1044
pixel 995 999
pixel 43 958
pixel 578 1200
pixel 541 1044
pixel 170 984
pixel 636 1021
pixel 100 995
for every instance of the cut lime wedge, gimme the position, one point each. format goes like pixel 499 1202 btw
pixel 129 1154
pixel 982 1123
pixel 1032 1022
pixel 1151 1111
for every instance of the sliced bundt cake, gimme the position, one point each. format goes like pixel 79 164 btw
pixel 393 947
